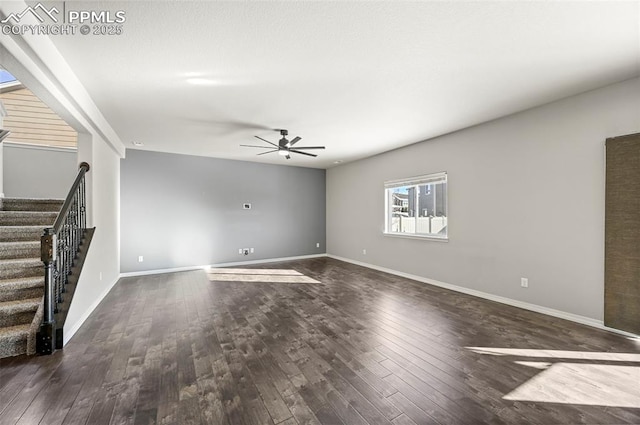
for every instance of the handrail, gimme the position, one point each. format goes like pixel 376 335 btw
pixel 59 246
pixel 3 134
pixel 82 170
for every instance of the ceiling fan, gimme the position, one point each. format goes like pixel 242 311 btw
pixel 284 146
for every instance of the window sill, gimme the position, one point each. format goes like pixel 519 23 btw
pixel 423 237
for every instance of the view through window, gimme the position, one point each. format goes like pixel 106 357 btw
pixel 31 121
pixel 417 206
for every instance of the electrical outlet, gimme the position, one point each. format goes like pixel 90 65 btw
pixel 524 282
pixel 364 252
pixel 251 250
pixel 245 251
pixel 140 258
pixel 317 244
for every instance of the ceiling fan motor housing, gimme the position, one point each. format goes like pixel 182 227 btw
pixel 284 142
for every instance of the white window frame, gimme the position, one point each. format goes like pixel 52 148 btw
pixel 414 181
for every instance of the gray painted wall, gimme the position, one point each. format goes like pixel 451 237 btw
pixel 36 172
pixel 543 217
pixel 180 210
pixel 101 268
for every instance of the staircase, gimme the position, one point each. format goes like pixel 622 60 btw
pixel 22 222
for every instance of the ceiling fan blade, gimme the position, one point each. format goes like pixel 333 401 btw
pixel 310 147
pixel 256 146
pixel 245 125
pixel 263 153
pixel 265 140
pixel 294 141
pixel 302 153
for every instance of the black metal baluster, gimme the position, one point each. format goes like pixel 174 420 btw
pixel 78 228
pixel 83 209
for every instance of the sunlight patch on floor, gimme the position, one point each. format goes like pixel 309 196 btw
pixel 535 365
pixel 258 275
pixel 286 272
pixel 581 383
pixel 586 382
pixel 558 354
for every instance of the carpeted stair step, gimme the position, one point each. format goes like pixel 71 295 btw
pixel 21 288
pixel 29 204
pixel 22 267
pixel 19 312
pixel 13 340
pixel 27 218
pixel 22 249
pixel 22 222
pixel 20 233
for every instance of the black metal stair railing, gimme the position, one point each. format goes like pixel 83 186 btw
pixel 59 247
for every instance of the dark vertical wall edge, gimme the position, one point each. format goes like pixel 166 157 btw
pixel 622 234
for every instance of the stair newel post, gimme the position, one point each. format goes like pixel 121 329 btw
pixel 46 335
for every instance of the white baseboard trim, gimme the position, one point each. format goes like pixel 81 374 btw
pixel 515 303
pixel 235 263
pixel 71 330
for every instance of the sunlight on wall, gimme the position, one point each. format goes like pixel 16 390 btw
pixel 258 275
pixel 578 379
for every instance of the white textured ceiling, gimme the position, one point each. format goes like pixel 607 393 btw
pixel 358 77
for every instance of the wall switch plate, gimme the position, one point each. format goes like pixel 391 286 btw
pixel 317 244
pixel 251 250
pixel 100 275
pixel 524 282
pixel 240 251
pixel 364 252
pixel 140 258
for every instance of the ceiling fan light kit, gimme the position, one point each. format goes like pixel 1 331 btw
pixel 284 146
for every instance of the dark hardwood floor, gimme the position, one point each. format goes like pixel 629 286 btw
pixel 320 341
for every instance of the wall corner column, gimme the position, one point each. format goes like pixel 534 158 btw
pixel 3 113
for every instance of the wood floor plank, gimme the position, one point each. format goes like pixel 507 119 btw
pixel 102 409
pixel 167 412
pixel 21 373
pixel 47 396
pixel 31 389
pixel 403 420
pixel 345 409
pixel 357 347
pixel 57 413
pixel 460 406
pixel 413 412
pixel 270 370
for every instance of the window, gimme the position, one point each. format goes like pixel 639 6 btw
pixel 417 206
